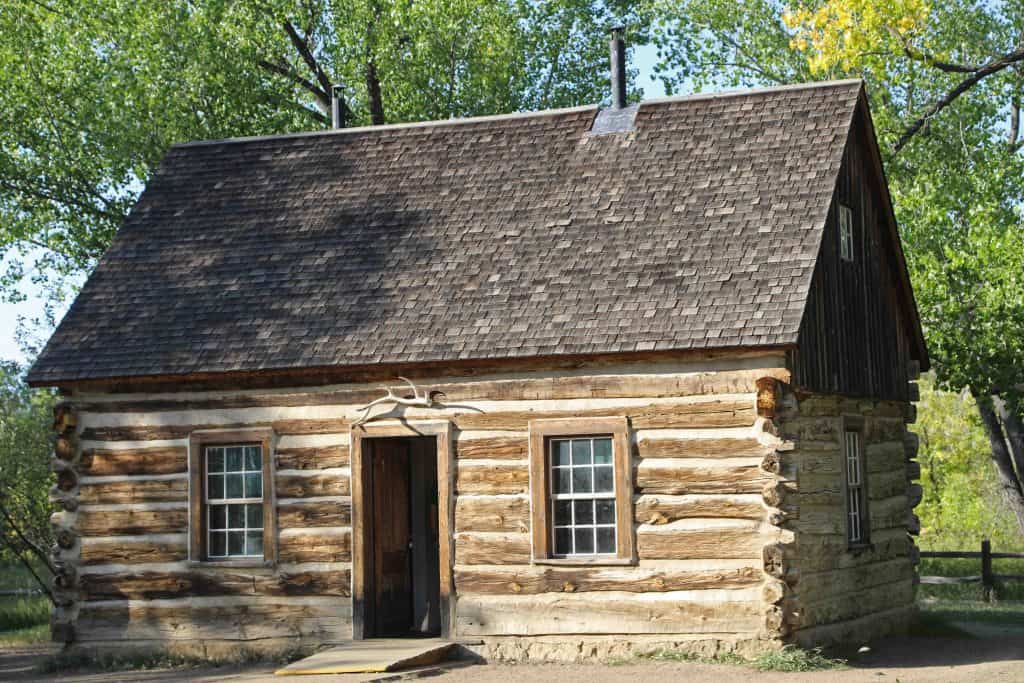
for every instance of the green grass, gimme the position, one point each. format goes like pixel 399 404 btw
pixel 148 661
pixel 789 658
pixel 23 618
pixel 1007 590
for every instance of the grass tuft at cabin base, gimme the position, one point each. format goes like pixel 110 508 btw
pixel 788 659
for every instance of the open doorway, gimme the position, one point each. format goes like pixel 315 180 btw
pixel 400 499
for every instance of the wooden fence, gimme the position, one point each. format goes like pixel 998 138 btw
pixel 987 578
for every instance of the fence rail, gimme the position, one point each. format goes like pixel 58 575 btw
pixel 987 578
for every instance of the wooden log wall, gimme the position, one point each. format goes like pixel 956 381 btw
pixel 709 474
pixel 832 589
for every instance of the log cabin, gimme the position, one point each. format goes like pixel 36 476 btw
pixel 656 369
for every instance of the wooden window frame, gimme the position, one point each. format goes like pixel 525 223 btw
pixel 541 432
pixel 855 425
pixel 847 251
pixel 197 443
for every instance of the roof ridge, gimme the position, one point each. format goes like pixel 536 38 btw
pixel 743 92
pixel 394 126
pixel 517 115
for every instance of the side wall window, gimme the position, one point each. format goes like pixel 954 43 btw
pixel 231 503
pixel 858 521
pixel 846 233
pixel 581 491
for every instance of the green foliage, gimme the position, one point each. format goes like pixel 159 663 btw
pixel 79 661
pixel 93 92
pixel 25 477
pixel 1010 591
pixel 791 658
pixel 961 503
pixel 21 613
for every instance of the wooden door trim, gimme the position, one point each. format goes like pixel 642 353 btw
pixel 361 542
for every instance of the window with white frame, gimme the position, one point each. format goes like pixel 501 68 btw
pixel 234 501
pixel 845 233
pixel 858 523
pixel 582 496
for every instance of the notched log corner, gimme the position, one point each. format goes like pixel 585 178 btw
pixel 769 389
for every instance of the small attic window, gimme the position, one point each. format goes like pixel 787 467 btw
pixel 845 233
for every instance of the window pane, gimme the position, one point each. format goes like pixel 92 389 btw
pixel 254 515
pixel 214 459
pixel 582 480
pixel 584 511
pixel 562 477
pixel 236 543
pixel 254 485
pixel 234 486
pixel 217 544
pixel 252 458
pixel 584 540
pixel 581 452
pixel 234 458
pixel 560 452
pixel 563 513
pixel 254 543
pixel 602 451
pixel 236 516
pixel 604 479
pixel 217 516
pixel 606 540
pixel 606 512
pixel 563 541
pixel 215 487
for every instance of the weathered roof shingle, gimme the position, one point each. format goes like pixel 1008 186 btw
pixel 487 238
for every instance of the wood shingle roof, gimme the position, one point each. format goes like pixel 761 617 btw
pixel 498 237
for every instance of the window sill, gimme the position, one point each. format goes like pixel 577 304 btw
pixel 860 548
pixel 231 564
pixel 585 561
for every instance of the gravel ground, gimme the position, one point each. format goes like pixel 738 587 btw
pixel 998 659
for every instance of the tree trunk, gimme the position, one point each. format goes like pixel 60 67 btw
pixel 1001 458
pixel 1008 412
pixel 373 94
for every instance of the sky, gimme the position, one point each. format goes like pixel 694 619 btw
pixel 643 56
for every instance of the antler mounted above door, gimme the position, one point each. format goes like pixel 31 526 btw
pixel 425 400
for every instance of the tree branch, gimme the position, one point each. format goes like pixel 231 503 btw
pixel 921 56
pixel 988 69
pixel 301 45
pixel 36 550
pixel 39 193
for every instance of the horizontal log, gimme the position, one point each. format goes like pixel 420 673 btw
pixel 315 513
pixel 817 585
pixel 828 552
pixel 183 431
pixel 700 544
pixel 679 477
pixel 520 389
pixel 134 552
pixel 312 458
pixel 296 548
pixel 534 580
pixel 132 522
pixel 703 414
pixel 149 585
pixel 701 448
pixel 308 486
pixel 494 448
pixel 850 606
pixel 485 513
pixel 492 478
pixel 621 613
pixel 98 462
pixel 134 491
pixel 245 622
pixel 474 548
pixel 949 580
pixel 664 509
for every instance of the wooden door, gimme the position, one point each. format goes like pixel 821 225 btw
pixel 392 533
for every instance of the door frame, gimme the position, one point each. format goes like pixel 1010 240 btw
pixel 361 541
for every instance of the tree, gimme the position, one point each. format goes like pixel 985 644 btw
pixel 25 477
pixel 945 80
pixel 93 92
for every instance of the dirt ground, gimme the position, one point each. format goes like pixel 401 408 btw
pixel 999 658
